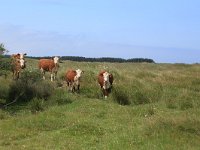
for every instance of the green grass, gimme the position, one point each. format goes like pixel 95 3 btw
pixel 152 106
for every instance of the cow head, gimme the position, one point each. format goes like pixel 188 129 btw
pixel 78 74
pixel 106 81
pixel 56 60
pixel 19 56
pixel 21 63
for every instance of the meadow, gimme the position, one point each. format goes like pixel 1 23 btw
pixel 152 106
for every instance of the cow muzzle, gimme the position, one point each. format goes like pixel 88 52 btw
pixel 23 66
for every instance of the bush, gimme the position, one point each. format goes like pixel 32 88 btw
pixel 5 64
pixel 3 115
pixel 120 96
pixel 3 90
pixel 186 105
pixel 150 111
pixel 60 97
pixel 5 67
pixel 29 86
pixel 43 89
pixel 140 98
pixel 170 104
pixel 36 105
pixel 30 76
pixel 145 94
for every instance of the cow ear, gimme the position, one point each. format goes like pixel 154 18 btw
pixel 25 54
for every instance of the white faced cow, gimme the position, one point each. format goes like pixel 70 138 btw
pixel 105 81
pixel 17 64
pixel 72 78
pixel 50 65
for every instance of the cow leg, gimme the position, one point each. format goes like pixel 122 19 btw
pixel 66 83
pixel 43 76
pixel 13 75
pixel 105 93
pixel 52 76
pixel 70 86
pixel 43 73
pixel 78 85
pixel 73 87
pixel 55 74
pixel 17 75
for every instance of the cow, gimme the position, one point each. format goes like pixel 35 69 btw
pixel 72 77
pixel 16 66
pixel 50 65
pixel 105 80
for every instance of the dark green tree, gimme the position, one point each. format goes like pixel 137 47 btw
pixel 4 63
pixel 2 49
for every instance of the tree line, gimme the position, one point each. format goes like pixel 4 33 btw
pixel 102 59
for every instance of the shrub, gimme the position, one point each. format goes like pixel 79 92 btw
pixel 3 90
pixel 28 87
pixel 43 89
pixel 3 115
pixel 5 64
pixel 30 76
pixel 186 105
pixel 5 67
pixel 120 96
pixel 170 104
pixel 60 97
pixel 36 105
pixel 20 90
pixel 150 111
pixel 191 126
pixel 140 98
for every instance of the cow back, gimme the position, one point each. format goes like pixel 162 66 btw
pixel 46 64
pixel 70 74
pixel 15 65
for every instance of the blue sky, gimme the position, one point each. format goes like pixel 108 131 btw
pixel 166 31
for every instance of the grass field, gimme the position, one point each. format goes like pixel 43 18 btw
pixel 152 106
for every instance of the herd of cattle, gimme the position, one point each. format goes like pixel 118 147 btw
pixel 72 77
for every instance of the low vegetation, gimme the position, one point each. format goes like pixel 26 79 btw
pixel 151 106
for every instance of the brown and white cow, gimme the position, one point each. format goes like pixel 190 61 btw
pixel 105 80
pixel 72 77
pixel 17 64
pixel 49 65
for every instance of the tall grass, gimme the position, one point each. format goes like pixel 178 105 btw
pixel 151 106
